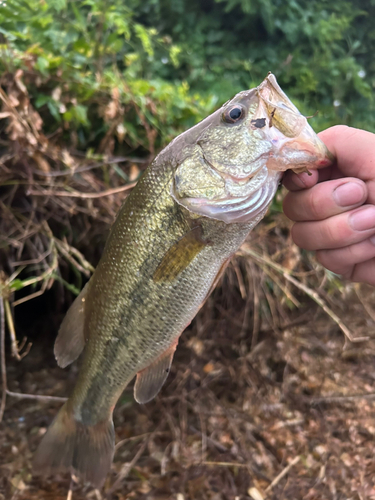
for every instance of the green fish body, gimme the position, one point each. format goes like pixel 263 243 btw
pixel 189 213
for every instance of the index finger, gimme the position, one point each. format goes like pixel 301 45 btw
pixel 354 150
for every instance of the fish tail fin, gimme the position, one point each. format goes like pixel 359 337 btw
pixel 69 445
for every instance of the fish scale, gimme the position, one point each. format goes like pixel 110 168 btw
pixel 166 307
pixel 189 213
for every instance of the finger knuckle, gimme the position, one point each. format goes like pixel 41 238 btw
pixel 315 206
pixel 329 234
pixel 298 235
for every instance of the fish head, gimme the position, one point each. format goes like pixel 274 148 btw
pixel 240 152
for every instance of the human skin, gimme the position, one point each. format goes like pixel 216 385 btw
pixel 334 208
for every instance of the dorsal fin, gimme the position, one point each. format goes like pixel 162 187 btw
pixel 179 256
pixel 70 340
pixel 151 379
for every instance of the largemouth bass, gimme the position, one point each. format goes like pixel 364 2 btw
pixel 189 213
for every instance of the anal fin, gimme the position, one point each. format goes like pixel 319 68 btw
pixel 151 379
pixel 70 340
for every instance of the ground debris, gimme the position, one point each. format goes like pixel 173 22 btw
pixel 275 422
pixel 266 399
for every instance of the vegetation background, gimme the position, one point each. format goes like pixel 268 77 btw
pixel 90 91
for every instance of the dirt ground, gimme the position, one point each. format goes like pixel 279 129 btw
pixel 289 414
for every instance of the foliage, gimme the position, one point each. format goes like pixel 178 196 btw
pixel 320 51
pixel 87 67
pixel 90 88
pixel 144 71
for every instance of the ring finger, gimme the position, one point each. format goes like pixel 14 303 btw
pixel 325 199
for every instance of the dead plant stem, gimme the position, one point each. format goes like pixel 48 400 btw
pixel 2 359
pixel 127 467
pixel 78 194
pixel 308 291
pixel 12 331
pixel 283 473
pixel 21 395
pixel 226 464
pixel 341 399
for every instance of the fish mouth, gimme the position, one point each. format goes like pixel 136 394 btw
pixel 241 192
pixel 295 144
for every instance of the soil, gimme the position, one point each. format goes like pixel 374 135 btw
pixel 288 415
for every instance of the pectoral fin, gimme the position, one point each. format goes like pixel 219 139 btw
pixel 70 340
pixel 151 379
pixel 180 255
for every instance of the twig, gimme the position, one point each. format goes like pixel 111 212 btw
pixel 31 261
pixel 95 494
pixel 135 438
pixel 283 288
pixel 32 295
pixel 241 283
pixel 12 333
pixel 73 261
pixel 340 399
pixel 61 173
pixel 21 395
pixel 70 492
pixel 256 318
pixel 78 194
pixel 283 473
pixel 45 276
pixel 126 468
pixel 84 263
pixel 215 444
pixel 308 291
pixel 226 464
pixel 2 360
pixel 368 309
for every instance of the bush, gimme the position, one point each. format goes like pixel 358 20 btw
pixel 92 90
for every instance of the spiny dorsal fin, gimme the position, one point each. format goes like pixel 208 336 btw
pixel 179 256
pixel 151 379
pixel 71 339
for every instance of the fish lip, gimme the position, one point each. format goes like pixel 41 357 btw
pixel 293 148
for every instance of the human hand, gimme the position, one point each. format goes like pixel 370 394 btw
pixel 334 208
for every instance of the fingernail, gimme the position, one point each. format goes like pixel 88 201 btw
pixel 372 240
pixel 348 194
pixel 363 219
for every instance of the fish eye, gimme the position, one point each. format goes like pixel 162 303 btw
pixel 233 114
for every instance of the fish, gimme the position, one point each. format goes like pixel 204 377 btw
pixel 173 237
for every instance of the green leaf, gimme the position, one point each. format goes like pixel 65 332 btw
pixel 16 285
pixel 42 64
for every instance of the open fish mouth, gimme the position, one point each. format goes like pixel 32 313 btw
pixel 239 158
pixel 296 146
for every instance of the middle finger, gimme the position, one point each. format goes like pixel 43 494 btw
pixel 325 199
pixel 337 231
